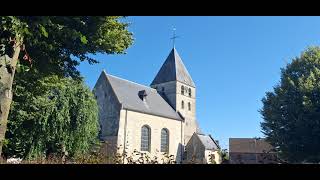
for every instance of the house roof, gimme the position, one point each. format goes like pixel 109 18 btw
pixel 208 142
pixel 173 69
pixel 128 93
pixel 249 145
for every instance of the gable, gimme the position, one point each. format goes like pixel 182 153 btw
pixel 109 108
pixel 105 90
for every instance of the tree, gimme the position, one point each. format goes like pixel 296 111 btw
pixel 53 45
pixel 51 116
pixel 291 112
pixel 224 156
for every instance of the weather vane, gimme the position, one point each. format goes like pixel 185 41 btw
pixel 174 36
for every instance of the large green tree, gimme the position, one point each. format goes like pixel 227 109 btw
pixel 51 115
pixel 54 45
pixel 291 112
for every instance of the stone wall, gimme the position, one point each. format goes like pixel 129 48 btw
pixel 190 124
pixel 172 94
pixel 109 146
pixel 252 158
pixel 168 92
pixel 130 132
pixel 109 107
pixel 194 150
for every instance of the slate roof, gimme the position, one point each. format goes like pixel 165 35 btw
pixel 173 69
pixel 208 142
pixel 127 93
pixel 248 145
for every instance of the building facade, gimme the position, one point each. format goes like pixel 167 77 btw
pixel 251 151
pixel 157 120
pixel 202 149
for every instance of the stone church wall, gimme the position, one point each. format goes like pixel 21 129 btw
pixel 194 150
pixel 109 108
pixel 130 132
pixel 169 89
pixel 172 91
pixel 190 124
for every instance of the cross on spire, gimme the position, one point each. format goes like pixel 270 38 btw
pixel 174 37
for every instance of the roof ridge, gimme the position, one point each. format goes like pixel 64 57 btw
pixel 175 62
pixel 129 81
pixel 183 66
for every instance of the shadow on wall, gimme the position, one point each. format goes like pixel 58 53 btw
pixel 180 152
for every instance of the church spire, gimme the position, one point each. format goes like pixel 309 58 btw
pixel 173 69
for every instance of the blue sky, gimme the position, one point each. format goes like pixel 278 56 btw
pixel 232 60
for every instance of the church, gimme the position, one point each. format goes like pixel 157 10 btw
pixel 156 119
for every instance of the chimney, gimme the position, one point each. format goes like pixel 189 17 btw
pixel 142 95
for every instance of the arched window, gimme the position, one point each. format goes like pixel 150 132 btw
pixel 189 92
pixel 182 104
pixel 164 140
pixel 189 106
pixel 145 138
pixel 182 90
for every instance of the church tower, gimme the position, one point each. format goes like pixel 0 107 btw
pixel 174 83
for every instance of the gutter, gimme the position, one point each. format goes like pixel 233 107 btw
pixel 151 114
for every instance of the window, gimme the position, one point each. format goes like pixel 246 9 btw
pixel 162 88
pixel 165 140
pixel 145 138
pixel 182 90
pixel 182 105
pixel 189 106
pixel 189 92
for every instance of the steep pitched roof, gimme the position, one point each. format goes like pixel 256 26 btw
pixel 208 142
pixel 248 145
pixel 173 69
pixel 128 93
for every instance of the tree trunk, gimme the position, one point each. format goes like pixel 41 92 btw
pixel 7 71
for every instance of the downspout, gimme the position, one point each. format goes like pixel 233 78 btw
pixel 182 137
pixel 182 147
pixel 125 134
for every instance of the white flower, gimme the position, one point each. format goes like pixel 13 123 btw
pixel 14 160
